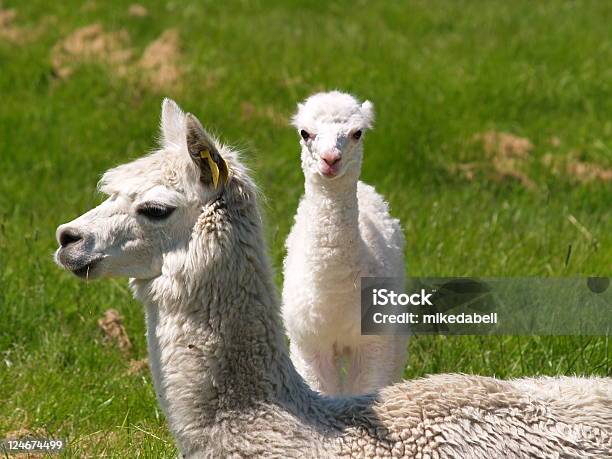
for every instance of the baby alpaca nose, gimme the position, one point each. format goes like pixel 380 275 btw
pixel 331 157
pixel 68 236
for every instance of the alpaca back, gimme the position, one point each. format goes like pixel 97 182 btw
pixel 450 416
pixel 382 235
pixel 584 399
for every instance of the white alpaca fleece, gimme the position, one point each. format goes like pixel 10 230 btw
pixel 343 231
pixel 218 354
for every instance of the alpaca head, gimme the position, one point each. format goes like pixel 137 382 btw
pixel 152 207
pixel 331 126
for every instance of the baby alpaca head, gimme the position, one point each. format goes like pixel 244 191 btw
pixel 331 126
pixel 153 205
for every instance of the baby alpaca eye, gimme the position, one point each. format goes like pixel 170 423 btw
pixel 357 134
pixel 155 211
pixel 305 135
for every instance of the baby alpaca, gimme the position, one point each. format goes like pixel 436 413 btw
pixel 342 232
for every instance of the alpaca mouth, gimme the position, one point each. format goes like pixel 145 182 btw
pixel 329 171
pixel 85 271
pixel 82 267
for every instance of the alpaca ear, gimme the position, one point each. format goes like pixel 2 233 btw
pixel 204 153
pixel 172 123
pixel 294 118
pixel 367 109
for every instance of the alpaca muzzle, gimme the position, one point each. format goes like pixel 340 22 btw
pixel 75 252
pixel 329 163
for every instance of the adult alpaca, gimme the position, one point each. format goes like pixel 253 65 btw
pixel 184 224
pixel 342 231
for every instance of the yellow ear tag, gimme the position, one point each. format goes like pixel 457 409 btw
pixel 214 169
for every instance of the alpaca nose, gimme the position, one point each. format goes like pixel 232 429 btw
pixel 68 236
pixel 331 157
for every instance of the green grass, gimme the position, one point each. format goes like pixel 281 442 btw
pixel 438 73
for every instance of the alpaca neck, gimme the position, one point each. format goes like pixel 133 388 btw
pixel 216 345
pixel 333 221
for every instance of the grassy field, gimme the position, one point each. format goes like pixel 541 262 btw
pixel 446 78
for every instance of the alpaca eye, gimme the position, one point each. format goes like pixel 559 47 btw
pixel 155 211
pixel 305 135
pixel 357 134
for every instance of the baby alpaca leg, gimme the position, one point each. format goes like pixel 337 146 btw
pixel 320 369
pixel 373 365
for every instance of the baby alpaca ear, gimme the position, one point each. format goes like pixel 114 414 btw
pixel 172 123
pixel 295 117
pixel 367 109
pixel 204 153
